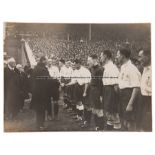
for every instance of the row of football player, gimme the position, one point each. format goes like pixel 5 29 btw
pixel 117 97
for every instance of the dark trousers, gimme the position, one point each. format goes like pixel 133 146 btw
pixel 56 108
pixel 40 117
pixel 21 102
pixel 11 106
pixel 87 115
pixel 146 113
pixel 49 108
pixel 99 122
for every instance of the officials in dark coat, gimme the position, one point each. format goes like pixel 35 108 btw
pixel 23 82
pixel 28 71
pixel 40 91
pixel 11 90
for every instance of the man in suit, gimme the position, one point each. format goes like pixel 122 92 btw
pixel 23 81
pixel 11 90
pixel 40 91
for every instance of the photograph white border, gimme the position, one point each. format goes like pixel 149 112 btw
pixel 80 11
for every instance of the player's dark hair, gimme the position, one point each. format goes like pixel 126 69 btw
pixel 125 52
pixel 107 53
pixel 93 56
pixel 43 58
pixel 62 61
pixel 146 52
pixel 77 61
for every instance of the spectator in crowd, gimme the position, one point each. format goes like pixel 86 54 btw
pixel 71 49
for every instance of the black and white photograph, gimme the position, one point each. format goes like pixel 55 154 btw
pixel 77 77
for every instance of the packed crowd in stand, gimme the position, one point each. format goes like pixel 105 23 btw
pixel 109 81
pixel 69 50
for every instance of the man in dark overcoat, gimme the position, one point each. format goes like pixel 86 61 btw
pixel 11 90
pixel 40 89
pixel 23 82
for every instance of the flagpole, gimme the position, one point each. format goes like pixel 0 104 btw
pixel 89 32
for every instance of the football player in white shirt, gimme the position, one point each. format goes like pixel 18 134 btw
pixel 146 90
pixel 129 84
pixel 110 93
pixel 81 80
pixel 53 69
pixel 71 90
pixel 62 71
pixel 67 78
pixel 69 69
pixel 54 73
